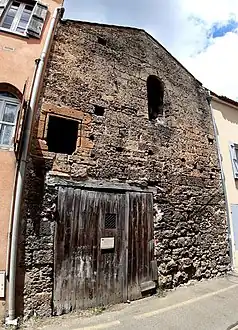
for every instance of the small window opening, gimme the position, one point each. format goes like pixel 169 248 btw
pixel 102 41
pixel 119 149
pixel 99 111
pixel 62 135
pixel 155 94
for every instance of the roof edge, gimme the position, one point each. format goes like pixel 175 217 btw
pixel 225 99
pixel 65 20
pixel 136 29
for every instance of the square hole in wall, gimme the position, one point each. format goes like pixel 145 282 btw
pixel 62 135
pixel 102 41
pixel 98 110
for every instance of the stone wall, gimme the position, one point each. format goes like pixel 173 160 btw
pixel 175 154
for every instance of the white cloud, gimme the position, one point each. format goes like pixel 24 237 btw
pixel 211 10
pixel 217 66
pixel 183 27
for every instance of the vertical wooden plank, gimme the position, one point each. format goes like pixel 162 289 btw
pixel 140 240
pixel 130 246
pixel 99 261
pixel 74 245
pixel 150 233
pixel 125 239
pixel 67 252
pixel 146 238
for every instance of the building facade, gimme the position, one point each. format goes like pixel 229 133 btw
pixel 225 113
pixel 124 187
pixel 24 27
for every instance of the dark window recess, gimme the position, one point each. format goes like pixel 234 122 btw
pixel 155 94
pixel 62 135
pixel 110 221
pixel 99 111
pixel 102 41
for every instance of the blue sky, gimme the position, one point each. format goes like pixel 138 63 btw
pixel 202 34
pixel 220 30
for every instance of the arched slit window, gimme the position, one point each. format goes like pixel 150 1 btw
pixel 9 106
pixel 155 94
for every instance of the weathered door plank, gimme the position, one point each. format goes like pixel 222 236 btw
pixel 140 249
pixel 85 275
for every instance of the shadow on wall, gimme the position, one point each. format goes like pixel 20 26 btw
pixel 30 227
pixel 228 113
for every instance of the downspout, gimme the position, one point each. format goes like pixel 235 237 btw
pixel 209 98
pixel 14 197
pixel 22 169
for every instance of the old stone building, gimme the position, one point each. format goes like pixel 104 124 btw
pixel 123 187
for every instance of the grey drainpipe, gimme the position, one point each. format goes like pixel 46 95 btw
pixel 14 195
pixel 22 171
pixel 209 98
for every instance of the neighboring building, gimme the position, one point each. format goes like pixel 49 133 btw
pixel 225 113
pixel 24 27
pixel 123 187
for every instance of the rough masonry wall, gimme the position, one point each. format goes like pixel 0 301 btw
pixel 176 154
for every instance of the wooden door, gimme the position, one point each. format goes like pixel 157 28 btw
pixel 141 245
pixel 87 273
pixel 103 248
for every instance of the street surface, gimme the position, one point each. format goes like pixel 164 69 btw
pixel 208 305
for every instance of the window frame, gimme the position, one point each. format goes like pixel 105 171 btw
pixel 234 158
pixel 17 18
pixel 15 101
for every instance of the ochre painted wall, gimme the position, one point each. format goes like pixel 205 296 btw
pixel 18 54
pixel 17 64
pixel 226 118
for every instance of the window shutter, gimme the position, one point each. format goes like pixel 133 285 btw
pixel 3 4
pixel 37 20
pixel 20 124
pixel 234 159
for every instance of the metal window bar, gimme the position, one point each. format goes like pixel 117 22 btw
pixel 110 221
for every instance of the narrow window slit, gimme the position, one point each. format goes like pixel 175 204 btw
pixel 155 94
